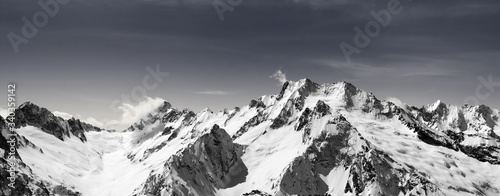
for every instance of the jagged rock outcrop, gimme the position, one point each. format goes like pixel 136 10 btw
pixel 3 140
pixel 33 115
pixel 359 99
pixel 374 171
pixel 165 113
pixel 257 104
pixel 25 182
pixel 284 115
pixel 468 129
pixel 368 170
pixel 256 193
pixel 30 114
pixel 283 89
pixel 210 163
pixel 254 121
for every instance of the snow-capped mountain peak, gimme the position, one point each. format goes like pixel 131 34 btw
pixel 308 139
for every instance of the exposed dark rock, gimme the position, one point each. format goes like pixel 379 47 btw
pixel 374 166
pixel 389 110
pixel 77 129
pixel 30 114
pixel 278 122
pixel 432 138
pixel 150 151
pixel 283 89
pixel 304 122
pixel 167 130
pixel 164 107
pixel 369 167
pixel 256 193
pixel 3 141
pixel 171 116
pixel 284 115
pixel 33 115
pixel 308 88
pixel 164 113
pixel 254 121
pixel 188 116
pixel 231 115
pixel 304 119
pixel 299 103
pixel 24 182
pixel 448 138
pixel 62 190
pixel 173 135
pixel 482 153
pixel 369 104
pixel 300 180
pixel 217 165
pixel 457 137
pixel 2 123
pixel 257 104
pixel 322 109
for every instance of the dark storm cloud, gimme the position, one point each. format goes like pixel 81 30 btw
pixel 430 43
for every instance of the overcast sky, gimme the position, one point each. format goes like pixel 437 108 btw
pixel 91 52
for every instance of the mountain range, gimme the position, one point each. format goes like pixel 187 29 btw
pixel 308 139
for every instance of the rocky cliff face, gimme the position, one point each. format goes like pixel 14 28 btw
pixel 165 113
pixel 33 115
pixel 365 169
pixel 212 162
pixel 469 129
pixel 25 181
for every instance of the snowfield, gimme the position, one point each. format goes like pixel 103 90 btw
pixel 450 169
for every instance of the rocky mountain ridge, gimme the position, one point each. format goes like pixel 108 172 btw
pixel 309 139
pixel 33 115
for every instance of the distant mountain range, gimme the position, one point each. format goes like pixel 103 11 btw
pixel 308 139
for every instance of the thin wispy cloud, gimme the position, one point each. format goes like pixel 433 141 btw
pixel 133 113
pixel 63 115
pixel 279 76
pixel 403 69
pixel 130 113
pixel 214 92
pixel 423 74
pixel 397 101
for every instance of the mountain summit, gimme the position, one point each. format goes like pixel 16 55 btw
pixel 308 139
